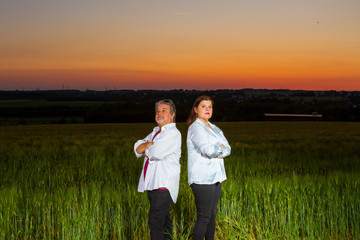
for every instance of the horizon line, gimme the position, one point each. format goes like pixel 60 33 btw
pixel 174 89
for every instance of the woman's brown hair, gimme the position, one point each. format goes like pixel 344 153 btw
pixel 193 114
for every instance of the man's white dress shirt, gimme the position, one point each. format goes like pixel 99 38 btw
pixel 164 154
pixel 204 147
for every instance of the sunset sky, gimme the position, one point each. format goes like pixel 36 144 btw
pixel 188 44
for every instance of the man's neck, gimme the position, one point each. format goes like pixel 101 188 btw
pixel 161 125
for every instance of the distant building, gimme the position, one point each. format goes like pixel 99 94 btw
pixel 293 117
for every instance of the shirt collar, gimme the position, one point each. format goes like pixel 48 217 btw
pixel 169 125
pixel 213 131
pixel 201 122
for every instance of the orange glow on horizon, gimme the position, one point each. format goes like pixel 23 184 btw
pixel 127 79
pixel 242 44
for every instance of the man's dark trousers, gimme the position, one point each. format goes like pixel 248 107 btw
pixel 159 214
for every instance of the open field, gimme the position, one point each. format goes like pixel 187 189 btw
pixel 41 111
pixel 296 180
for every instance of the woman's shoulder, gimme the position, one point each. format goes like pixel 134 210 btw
pixel 196 128
pixel 195 124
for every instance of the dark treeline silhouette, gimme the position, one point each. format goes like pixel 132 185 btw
pixel 138 106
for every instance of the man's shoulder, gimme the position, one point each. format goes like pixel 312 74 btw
pixel 172 129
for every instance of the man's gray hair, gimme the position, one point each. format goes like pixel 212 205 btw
pixel 168 102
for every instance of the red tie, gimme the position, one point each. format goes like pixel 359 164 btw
pixel 147 160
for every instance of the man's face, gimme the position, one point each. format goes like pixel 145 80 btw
pixel 163 115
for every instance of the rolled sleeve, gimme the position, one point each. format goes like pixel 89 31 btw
pixel 227 150
pixel 199 138
pixel 137 144
pixel 165 145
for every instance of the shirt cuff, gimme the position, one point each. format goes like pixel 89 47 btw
pixel 227 151
pixel 218 151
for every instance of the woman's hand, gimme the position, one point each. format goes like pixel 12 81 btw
pixel 220 156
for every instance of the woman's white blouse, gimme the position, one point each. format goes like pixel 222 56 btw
pixel 204 147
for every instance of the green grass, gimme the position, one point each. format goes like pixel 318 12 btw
pixel 297 180
pixel 28 103
pixel 43 120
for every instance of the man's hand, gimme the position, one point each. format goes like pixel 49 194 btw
pixel 142 147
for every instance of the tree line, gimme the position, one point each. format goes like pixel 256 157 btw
pixel 138 106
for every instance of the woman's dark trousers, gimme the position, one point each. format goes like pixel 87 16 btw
pixel 206 200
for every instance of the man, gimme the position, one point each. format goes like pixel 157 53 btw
pixel 161 169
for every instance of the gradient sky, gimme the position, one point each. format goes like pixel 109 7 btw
pixel 189 44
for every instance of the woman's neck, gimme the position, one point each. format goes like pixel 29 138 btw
pixel 205 121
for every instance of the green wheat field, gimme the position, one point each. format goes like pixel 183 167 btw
pixel 286 180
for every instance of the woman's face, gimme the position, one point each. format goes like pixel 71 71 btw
pixel 204 110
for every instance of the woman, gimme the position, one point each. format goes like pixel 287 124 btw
pixel 207 146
